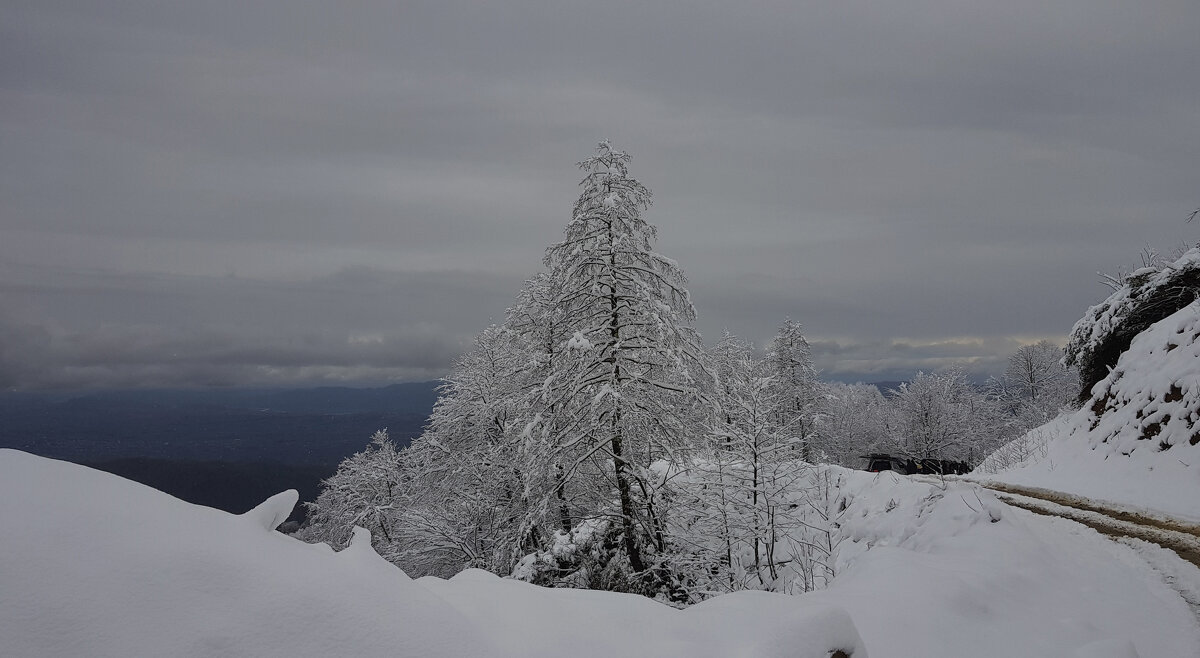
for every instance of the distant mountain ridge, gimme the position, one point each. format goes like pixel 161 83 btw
pixel 228 448
pixel 409 397
pixel 888 388
pixel 295 426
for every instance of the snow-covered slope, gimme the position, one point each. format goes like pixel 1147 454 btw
pixel 1137 440
pixel 93 565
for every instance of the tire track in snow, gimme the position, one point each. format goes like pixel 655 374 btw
pixel 1173 554
pixel 1181 576
pixel 1185 544
pixel 1131 515
pixel 1170 546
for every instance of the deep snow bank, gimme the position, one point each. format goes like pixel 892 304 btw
pixel 93 565
pixel 1137 440
pixel 528 620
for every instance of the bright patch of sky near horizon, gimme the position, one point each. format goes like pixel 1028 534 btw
pixel 239 193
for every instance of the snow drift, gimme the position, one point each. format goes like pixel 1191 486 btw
pixel 94 565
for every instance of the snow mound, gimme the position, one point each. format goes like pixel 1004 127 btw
pixel 94 565
pixel 1137 439
pixel 805 629
pixel 1108 649
pixel 274 510
pixel 525 619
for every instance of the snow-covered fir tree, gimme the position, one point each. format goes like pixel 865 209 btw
pixel 568 418
pixel 624 393
pixel 795 378
pixel 538 401
pixel 456 497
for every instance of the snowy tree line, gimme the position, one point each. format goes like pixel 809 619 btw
pixel 592 440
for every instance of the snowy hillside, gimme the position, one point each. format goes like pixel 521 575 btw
pixel 93 565
pixel 1137 440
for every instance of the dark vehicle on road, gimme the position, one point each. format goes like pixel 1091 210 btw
pixel 878 462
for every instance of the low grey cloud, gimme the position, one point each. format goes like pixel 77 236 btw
pixel 899 360
pixel 235 193
pixel 356 326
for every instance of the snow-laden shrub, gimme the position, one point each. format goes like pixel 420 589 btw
pixel 741 526
pixel 591 556
pixel 1031 447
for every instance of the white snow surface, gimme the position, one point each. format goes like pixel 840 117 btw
pixel 94 565
pixel 579 342
pixel 954 572
pixel 1137 441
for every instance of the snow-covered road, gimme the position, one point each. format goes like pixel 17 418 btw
pixel 1170 546
pixel 1133 515
pixel 1178 535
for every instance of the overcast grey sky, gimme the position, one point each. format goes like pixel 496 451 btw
pixel 249 193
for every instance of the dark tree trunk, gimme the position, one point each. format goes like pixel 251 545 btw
pixel 631 545
pixel 564 512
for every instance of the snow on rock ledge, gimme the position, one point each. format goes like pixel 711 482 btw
pixel 1150 294
pixel 1150 402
